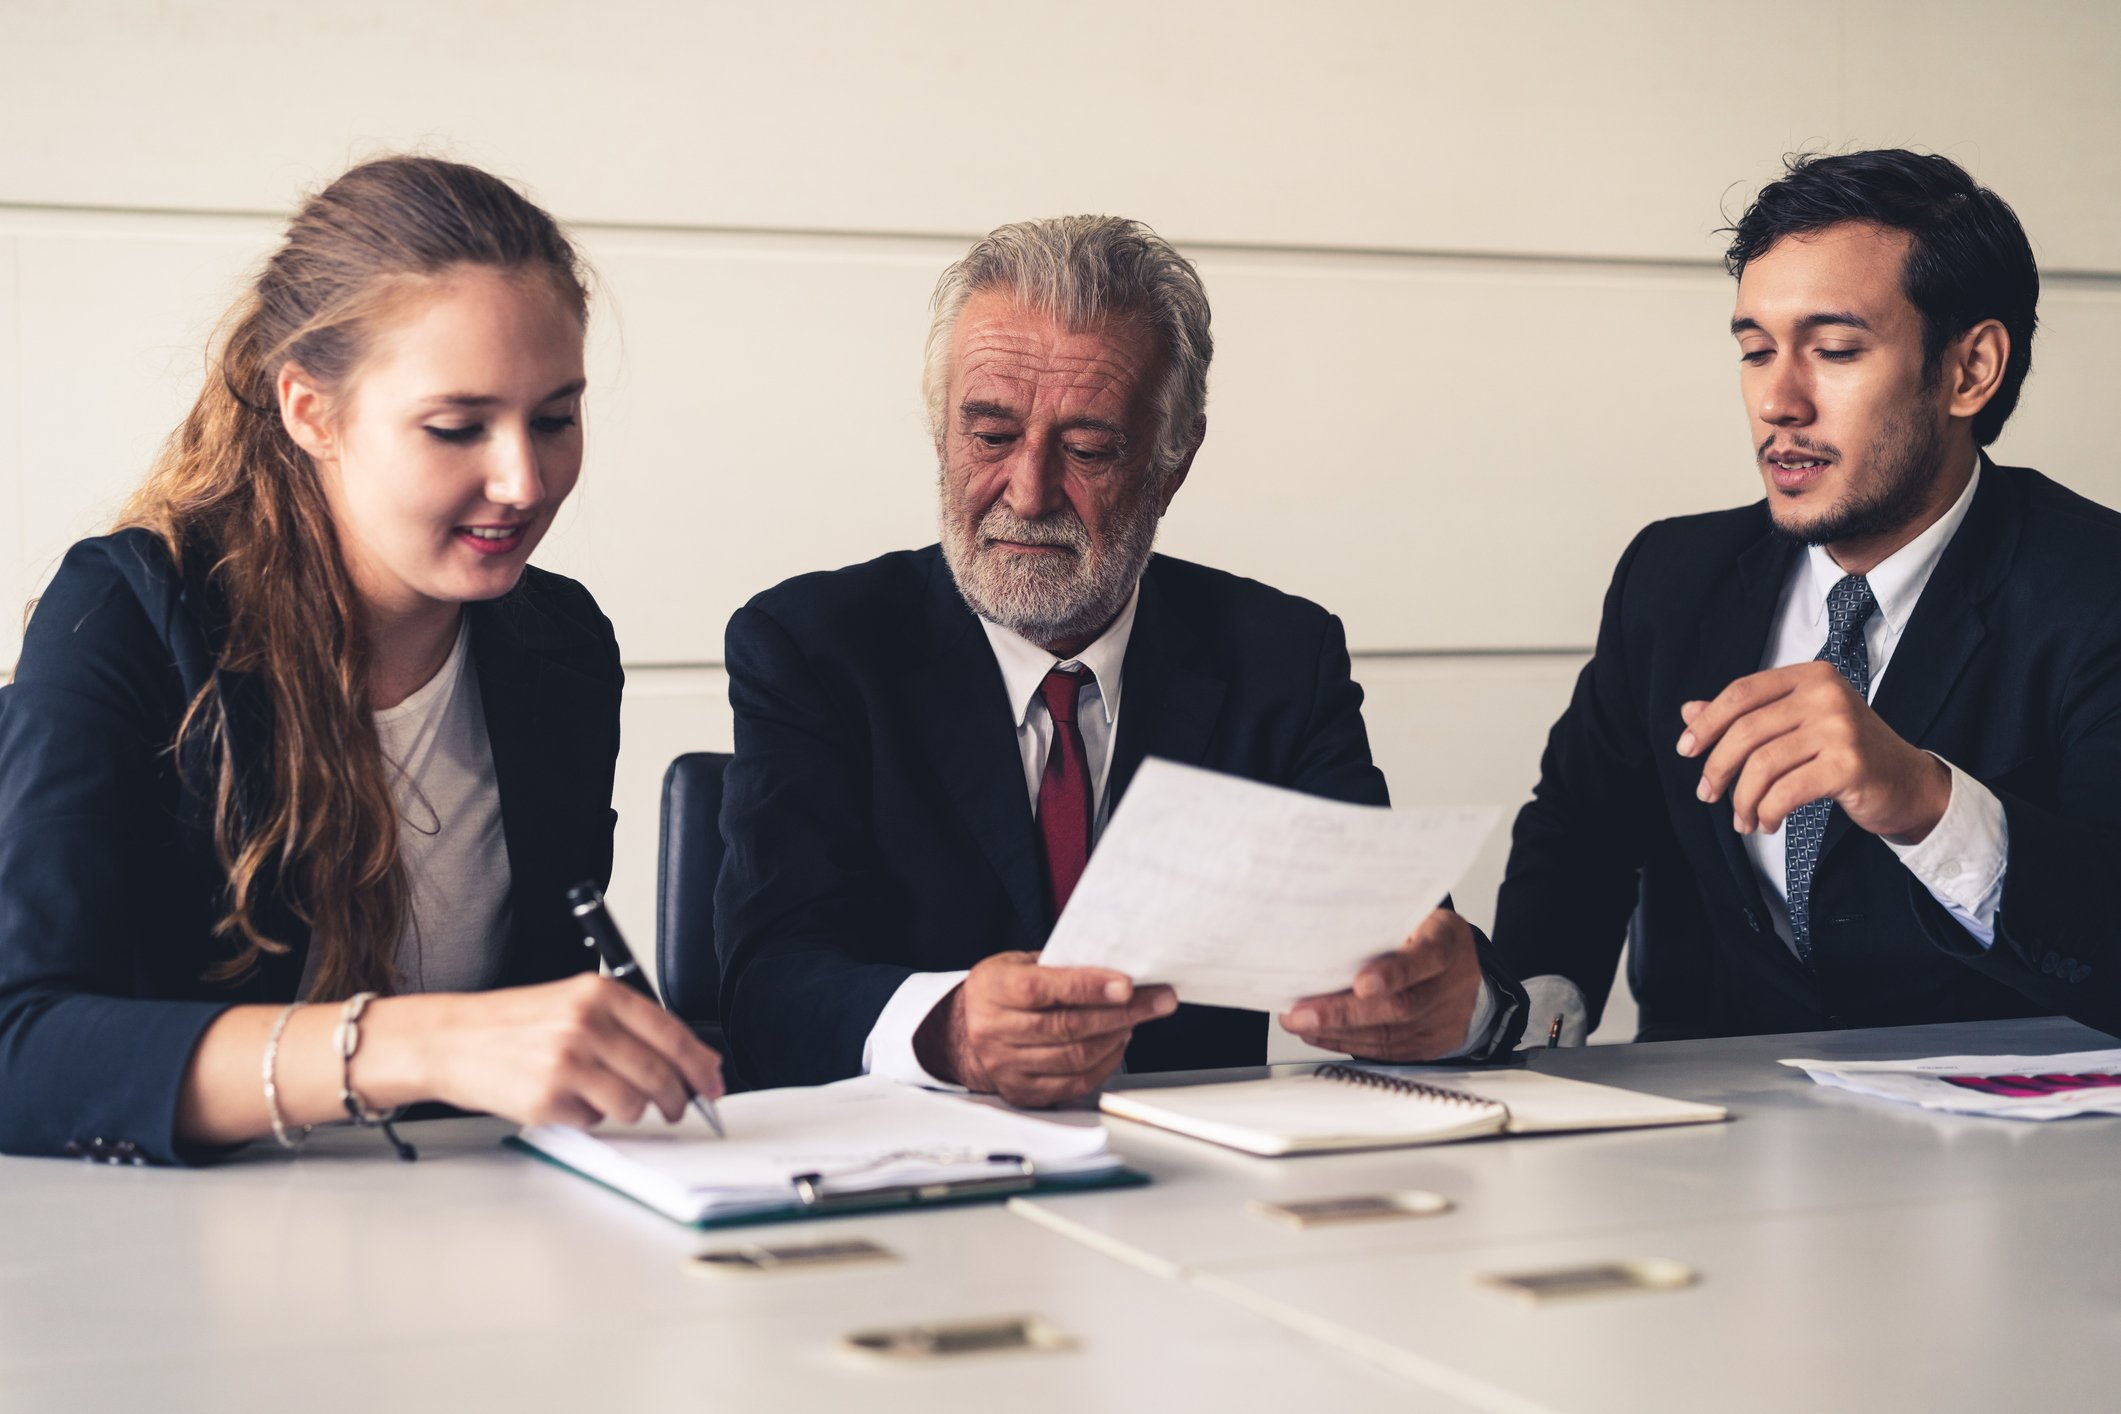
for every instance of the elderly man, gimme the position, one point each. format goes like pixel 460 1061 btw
pixel 928 744
pixel 1852 754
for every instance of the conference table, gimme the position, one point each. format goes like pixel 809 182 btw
pixel 1852 1254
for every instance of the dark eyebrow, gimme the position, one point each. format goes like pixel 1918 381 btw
pixel 485 400
pixel 1744 325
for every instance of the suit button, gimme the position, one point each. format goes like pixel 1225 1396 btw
pixel 75 1150
pixel 1836 1022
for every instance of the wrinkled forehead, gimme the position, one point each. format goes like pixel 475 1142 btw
pixel 1006 351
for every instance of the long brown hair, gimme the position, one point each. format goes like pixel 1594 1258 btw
pixel 313 825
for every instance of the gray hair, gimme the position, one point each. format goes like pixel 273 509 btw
pixel 1084 270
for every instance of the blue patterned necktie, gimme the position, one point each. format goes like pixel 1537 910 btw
pixel 1849 607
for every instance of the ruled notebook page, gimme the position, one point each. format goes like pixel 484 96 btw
pixel 1544 1104
pixel 1359 1107
pixel 1300 1114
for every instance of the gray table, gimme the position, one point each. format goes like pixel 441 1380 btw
pixel 1854 1254
pixel 480 1279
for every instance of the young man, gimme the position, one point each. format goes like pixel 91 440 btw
pixel 1851 756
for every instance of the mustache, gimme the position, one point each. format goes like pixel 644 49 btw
pixel 1798 442
pixel 1062 528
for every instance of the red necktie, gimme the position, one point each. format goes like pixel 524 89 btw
pixel 1064 790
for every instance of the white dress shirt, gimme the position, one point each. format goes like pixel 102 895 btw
pixel 889 1048
pixel 1961 861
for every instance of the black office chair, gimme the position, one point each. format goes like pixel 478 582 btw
pixel 690 861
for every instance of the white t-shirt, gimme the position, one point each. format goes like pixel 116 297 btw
pixel 449 832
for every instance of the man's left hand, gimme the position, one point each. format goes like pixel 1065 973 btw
pixel 1781 738
pixel 1409 1005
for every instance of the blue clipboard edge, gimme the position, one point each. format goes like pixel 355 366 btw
pixel 1043 1187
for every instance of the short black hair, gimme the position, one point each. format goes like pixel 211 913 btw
pixel 1967 259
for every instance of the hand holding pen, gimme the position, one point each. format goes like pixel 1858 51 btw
pixel 601 933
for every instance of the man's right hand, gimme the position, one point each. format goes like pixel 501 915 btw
pixel 1036 1036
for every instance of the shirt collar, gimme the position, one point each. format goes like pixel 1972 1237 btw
pixel 1024 664
pixel 1897 580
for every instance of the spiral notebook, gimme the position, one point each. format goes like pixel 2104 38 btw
pixel 1355 1107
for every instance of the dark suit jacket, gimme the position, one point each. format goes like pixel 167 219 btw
pixel 876 818
pixel 2010 668
pixel 109 887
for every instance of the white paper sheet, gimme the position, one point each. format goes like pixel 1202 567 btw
pixel 2006 1087
pixel 862 1133
pixel 1244 895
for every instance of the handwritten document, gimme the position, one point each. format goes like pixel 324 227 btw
pixel 1244 895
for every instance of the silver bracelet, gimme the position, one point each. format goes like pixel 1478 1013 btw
pixel 347 1040
pixel 272 1089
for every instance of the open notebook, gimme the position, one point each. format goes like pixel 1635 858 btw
pixel 814 1149
pixel 1354 1107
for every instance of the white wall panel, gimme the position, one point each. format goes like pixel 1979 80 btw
pixel 2019 98
pixel 1452 454
pixel 114 317
pixel 1609 129
pixel 2064 423
pixel 755 414
pixel 1386 432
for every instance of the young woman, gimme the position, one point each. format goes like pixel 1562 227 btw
pixel 303 758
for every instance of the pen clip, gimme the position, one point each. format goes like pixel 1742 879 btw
pixel 811 1193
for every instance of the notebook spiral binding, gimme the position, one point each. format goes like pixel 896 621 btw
pixel 1402 1085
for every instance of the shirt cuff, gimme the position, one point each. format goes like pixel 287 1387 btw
pixel 1484 1014
pixel 1547 997
pixel 889 1049
pixel 1961 861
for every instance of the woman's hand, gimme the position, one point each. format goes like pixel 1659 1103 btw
pixel 571 1052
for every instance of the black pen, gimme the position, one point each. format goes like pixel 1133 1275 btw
pixel 599 932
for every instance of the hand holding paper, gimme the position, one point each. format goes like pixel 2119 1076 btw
pixel 1245 895
pixel 1412 1004
pixel 1035 1035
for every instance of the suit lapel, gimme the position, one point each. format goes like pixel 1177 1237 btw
pixel 1734 636
pixel 1170 699
pixel 970 731
pixel 511 694
pixel 1948 624
pixel 530 702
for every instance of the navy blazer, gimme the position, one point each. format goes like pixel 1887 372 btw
pixel 2010 669
pixel 109 886
pixel 875 815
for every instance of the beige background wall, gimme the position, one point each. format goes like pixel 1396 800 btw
pixel 1462 258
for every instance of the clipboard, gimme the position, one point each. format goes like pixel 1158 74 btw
pixel 810 1195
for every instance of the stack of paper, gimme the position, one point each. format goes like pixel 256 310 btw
pixel 2008 1087
pixel 1244 895
pixel 860 1134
